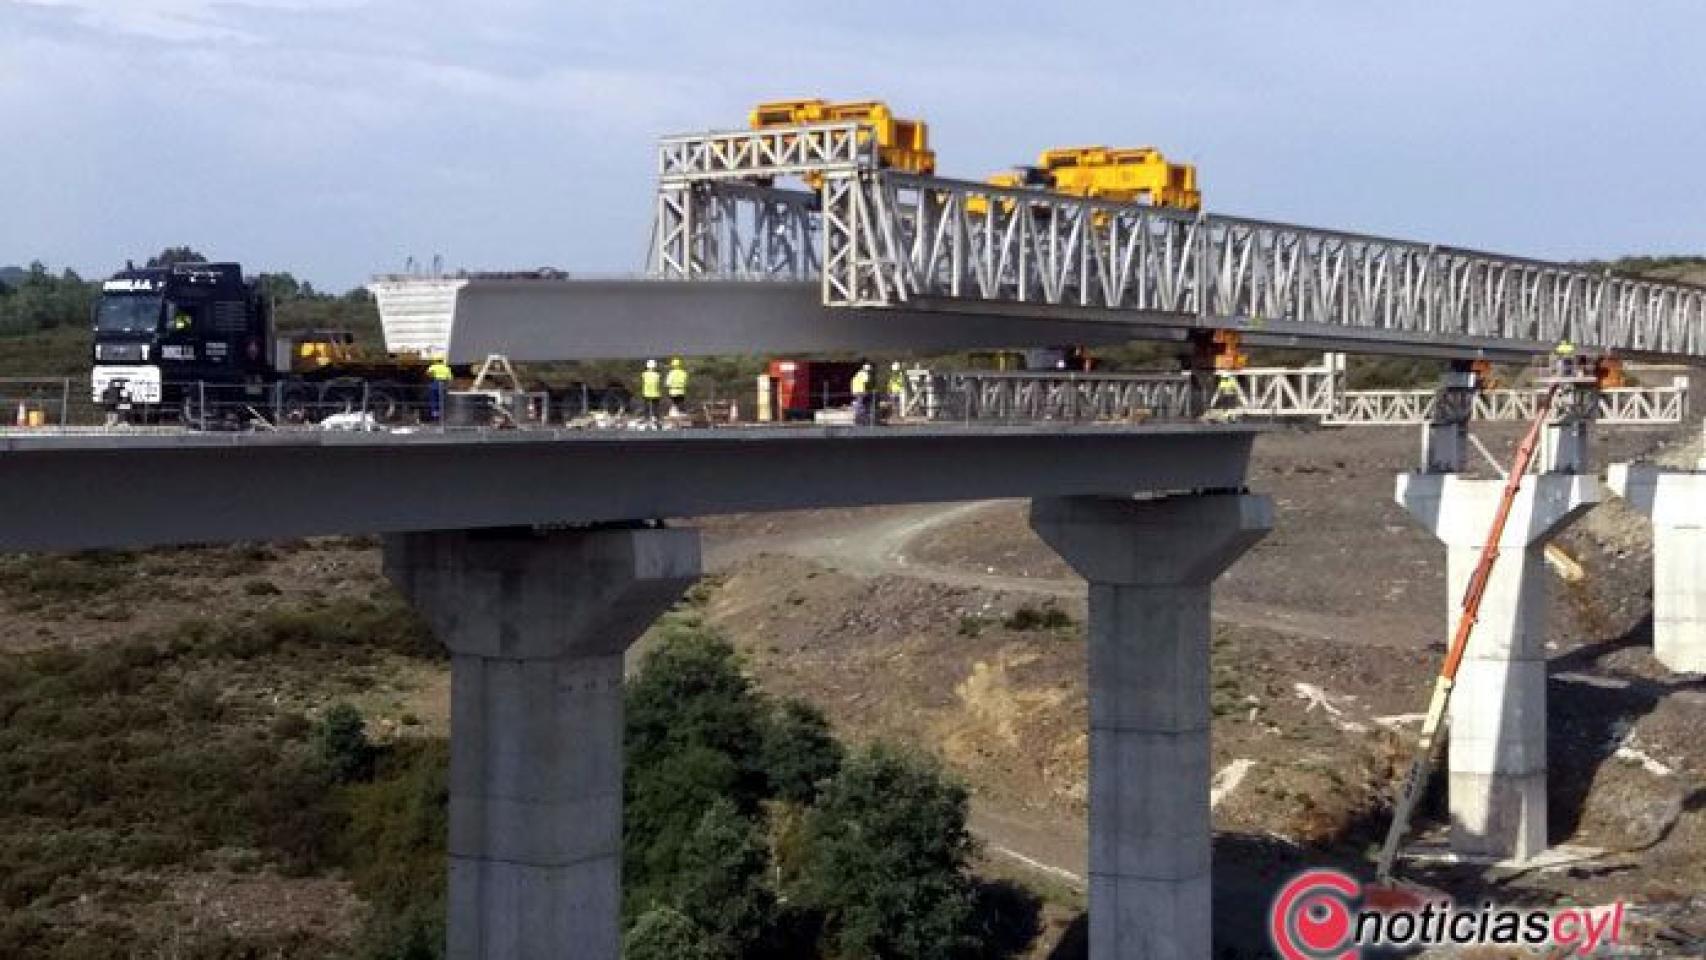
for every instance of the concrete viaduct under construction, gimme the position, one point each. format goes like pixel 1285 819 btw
pixel 538 583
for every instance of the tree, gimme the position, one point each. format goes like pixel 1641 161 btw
pixel 664 934
pixel 799 752
pixel 171 256
pixel 719 883
pixel 40 301
pixel 690 694
pixel 886 854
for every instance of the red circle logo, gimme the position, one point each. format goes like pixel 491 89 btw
pixel 1312 917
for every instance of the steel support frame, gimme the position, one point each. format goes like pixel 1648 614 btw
pixel 890 238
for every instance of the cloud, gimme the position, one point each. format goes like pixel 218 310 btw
pixel 178 21
pixel 521 131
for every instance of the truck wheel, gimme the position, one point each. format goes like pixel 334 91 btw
pixel 617 400
pixel 343 395
pixel 294 402
pixel 384 404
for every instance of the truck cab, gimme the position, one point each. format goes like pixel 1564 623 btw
pixel 161 331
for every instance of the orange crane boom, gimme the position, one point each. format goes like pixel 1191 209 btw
pixel 1427 748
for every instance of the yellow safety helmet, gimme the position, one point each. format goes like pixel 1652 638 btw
pixel 1565 348
pixel 675 361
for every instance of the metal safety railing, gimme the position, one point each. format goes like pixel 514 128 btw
pixel 36 402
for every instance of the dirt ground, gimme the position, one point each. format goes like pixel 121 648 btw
pixel 912 623
pixel 953 628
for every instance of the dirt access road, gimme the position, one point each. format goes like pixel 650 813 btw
pixel 901 622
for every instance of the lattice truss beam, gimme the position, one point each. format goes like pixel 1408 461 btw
pixel 1308 393
pixel 881 238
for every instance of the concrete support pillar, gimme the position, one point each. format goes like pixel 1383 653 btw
pixel 537 623
pixel 1498 712
pixel 1676 502
pixel 1150 564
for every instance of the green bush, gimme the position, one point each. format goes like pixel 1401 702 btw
pixel 665 934
pixel 720 883
pixel 799 752
pixel 394 850
pixel 1046 617
pixel 342 745
pixel 887 851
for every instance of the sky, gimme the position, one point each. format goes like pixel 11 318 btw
pixel 336 138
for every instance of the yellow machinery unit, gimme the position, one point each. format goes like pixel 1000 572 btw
pixel 901 144
pixel 1124 175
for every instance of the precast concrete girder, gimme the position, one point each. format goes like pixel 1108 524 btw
pixel 129 491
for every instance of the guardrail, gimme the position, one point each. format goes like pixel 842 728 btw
pixel 36 402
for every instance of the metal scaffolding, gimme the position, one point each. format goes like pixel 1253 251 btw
pixel 886 239
pixel 1316 393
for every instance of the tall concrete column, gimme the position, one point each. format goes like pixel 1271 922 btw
pixel 537 623
pixel 1676 502
pixel 1498 711
pixel 1150 564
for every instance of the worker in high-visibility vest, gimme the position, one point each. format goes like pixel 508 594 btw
pixel 862 394
pixel 1225 403
pixel 675 384
pixel 897 386
pixel 651 390
pixel 438 386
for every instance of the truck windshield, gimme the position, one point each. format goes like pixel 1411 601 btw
pixel 128 314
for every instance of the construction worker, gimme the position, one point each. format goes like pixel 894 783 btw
pixel 1225 394
pixel 438 386
pixel 897 386
pixel 1563 359
pixel 862 394
pixel 651 390
pixel 675 383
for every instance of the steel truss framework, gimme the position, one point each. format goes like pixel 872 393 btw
pixel 1027 397
pixel 1307 393
pixel 1625 406
pixel 886 238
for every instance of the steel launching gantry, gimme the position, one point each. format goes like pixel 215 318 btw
pixel 879 233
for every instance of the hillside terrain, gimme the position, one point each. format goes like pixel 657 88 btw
pixel 166 715
pixel 949 628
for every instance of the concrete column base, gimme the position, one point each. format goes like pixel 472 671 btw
pixel 1497 763
pixel 1150 564
pixel 1498 815
pixel 536 624
pixel 1676 503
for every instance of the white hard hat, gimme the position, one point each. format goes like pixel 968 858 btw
pixel 895 365
pixel 651 364
pixel 865 367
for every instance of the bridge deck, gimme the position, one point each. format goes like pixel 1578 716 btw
pixel 129 491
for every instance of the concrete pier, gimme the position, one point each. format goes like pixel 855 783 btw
pixel 537 623
pixel 1150 564
pixel 1676 503
pixel 1498 713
